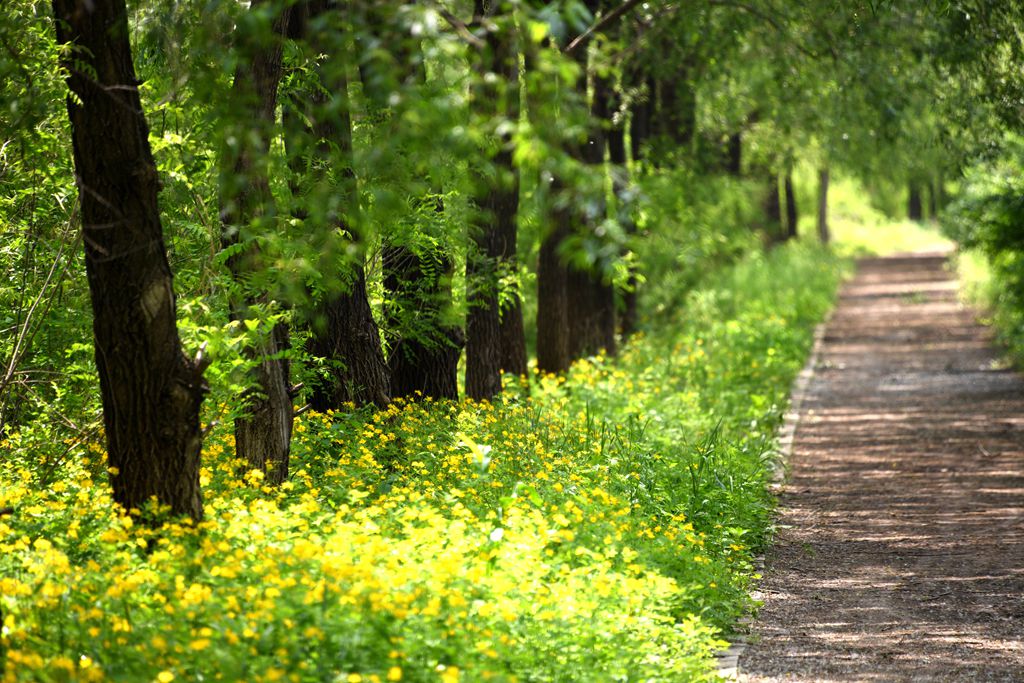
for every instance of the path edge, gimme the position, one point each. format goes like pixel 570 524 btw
pixel 728 664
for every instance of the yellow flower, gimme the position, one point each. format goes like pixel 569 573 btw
pixel 395 673
pixel 200 644
pixel 165 677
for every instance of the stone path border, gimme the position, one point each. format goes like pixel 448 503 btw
pixel 728 659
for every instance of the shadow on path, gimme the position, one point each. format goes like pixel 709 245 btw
pixel 900 555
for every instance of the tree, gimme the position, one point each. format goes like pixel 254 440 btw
pixel 823 232
pixel 151 392
pixel 263 432
pixel 575 303
pixel 791 208
pixel 425 344
pixel 494 337
pixel 343 331
pixel 915 207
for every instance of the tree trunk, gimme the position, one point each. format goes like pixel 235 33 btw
pixel 823 231
pixel 914 206
pixel 263 434
pixel 343 330
pixel 623 191
pixel 773 209
pixel 734 155
pixel 424 359
pixel 345 334
pixel 791 208
pixel 552 291
pixel 592 299
pixel 151 392
pixel 640 122
pixel 425 346
pixel 677 108
pixel 933 200
pixel 492 245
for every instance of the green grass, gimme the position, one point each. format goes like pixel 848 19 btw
pixel 601 529
pixel 858 229
pixel 984 285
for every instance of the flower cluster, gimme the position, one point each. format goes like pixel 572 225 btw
pixel 599 529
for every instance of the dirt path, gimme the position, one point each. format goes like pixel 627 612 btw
pixel 901 551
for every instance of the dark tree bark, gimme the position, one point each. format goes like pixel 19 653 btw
pixel 640 122
pixel 734 155
pixel 513 336
pixel 575 309
pixel 622 188
pixel 773 209
pixel 591 299
pixel 939 194
pixel 915 210
pixel 493 235
pixel 345 333
pixel 151 391
pixel 933 200
pixel 342 328
pixel 425 359
pixel 791 208
pixel 263 434
pixel 823 231
pixel 552 291
pixel 677 108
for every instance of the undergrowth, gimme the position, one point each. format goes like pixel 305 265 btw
pixel 599 527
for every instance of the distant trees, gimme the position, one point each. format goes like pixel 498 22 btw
pixel 389 171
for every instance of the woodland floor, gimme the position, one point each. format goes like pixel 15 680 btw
pixel 900 553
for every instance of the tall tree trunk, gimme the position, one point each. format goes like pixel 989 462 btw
pixel 933 200
pixel 591 298
pixel 791 208
pixel 914 206
pixel 424 360
pixel 497 201
pixel 823 231
pixel 263 433
pixel 623 191
pixel 151 391
pixel 640 122
pixel 342 328
pixel 513 336
pixel 582 304
pixel 677 108
pixel 939 192
pixel 552 273
pixel 552 290
pixel 425 346
pixel 773 209
pixel 734 155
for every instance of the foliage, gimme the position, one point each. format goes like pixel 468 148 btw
pixel 986 221
pixel 601 529
pixel 860 228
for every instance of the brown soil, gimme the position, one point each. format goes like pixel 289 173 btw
pixel 900 551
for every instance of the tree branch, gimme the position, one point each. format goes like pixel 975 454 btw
pixel 460 27
pixel 769 19
pixel 584 38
